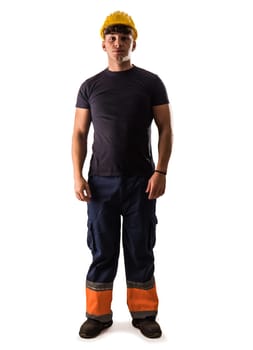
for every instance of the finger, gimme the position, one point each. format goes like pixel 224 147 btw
pixel 79 196
pixel 154 193
pixel 86 198
pixel 82 196
pixel 88 191
pixel 151 193
pixel 148 187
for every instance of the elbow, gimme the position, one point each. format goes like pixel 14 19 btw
pixel 80 136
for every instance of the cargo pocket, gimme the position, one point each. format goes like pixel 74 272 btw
pixel 152 232
pixel 90 238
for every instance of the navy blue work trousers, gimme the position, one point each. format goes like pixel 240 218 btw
pixel 120 205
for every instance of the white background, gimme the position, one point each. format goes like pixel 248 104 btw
pixel 203 52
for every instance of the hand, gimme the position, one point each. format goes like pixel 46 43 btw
pixel 82 190
pixel 156 186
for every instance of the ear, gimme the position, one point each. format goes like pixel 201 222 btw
pixel 134 45
pixel 103 45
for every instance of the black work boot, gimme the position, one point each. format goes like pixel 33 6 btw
pixel 148 327
pixel 92 328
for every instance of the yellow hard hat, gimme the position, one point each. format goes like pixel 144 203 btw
pixel 119 17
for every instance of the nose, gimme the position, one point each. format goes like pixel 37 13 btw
pixel 117 42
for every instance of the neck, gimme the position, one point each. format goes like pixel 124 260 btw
pixel 119 66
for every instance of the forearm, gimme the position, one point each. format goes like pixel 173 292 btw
pixel 79 152
pixel 164 149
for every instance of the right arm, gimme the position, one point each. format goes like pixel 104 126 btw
pixel 79 151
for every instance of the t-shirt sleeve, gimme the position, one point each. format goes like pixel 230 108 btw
pixel 82 100
pixel 159 92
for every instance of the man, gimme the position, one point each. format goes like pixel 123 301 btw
pixel 121 102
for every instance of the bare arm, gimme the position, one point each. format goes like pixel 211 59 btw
pixel 157 182
pixel 79 151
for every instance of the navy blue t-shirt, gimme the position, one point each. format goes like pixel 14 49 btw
pixel 120 105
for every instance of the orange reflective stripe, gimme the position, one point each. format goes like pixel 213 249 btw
pixel 141 299
pixel 98 302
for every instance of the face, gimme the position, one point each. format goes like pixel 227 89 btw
pixel 118 46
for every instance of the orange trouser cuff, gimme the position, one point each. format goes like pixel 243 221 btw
pixel 142 302
pixel 98 304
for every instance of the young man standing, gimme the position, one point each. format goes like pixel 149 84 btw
pixel 124 183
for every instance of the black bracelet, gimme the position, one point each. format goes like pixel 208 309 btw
pixel 160 172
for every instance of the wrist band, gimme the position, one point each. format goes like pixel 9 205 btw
pixel 160 172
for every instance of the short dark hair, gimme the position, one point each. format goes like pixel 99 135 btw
pixel 118 28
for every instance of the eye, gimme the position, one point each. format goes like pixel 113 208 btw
pixel 111 38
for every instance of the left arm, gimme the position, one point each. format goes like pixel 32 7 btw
pixel 157 182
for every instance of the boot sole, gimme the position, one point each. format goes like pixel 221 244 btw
pixel 87 336
pixel 148 335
